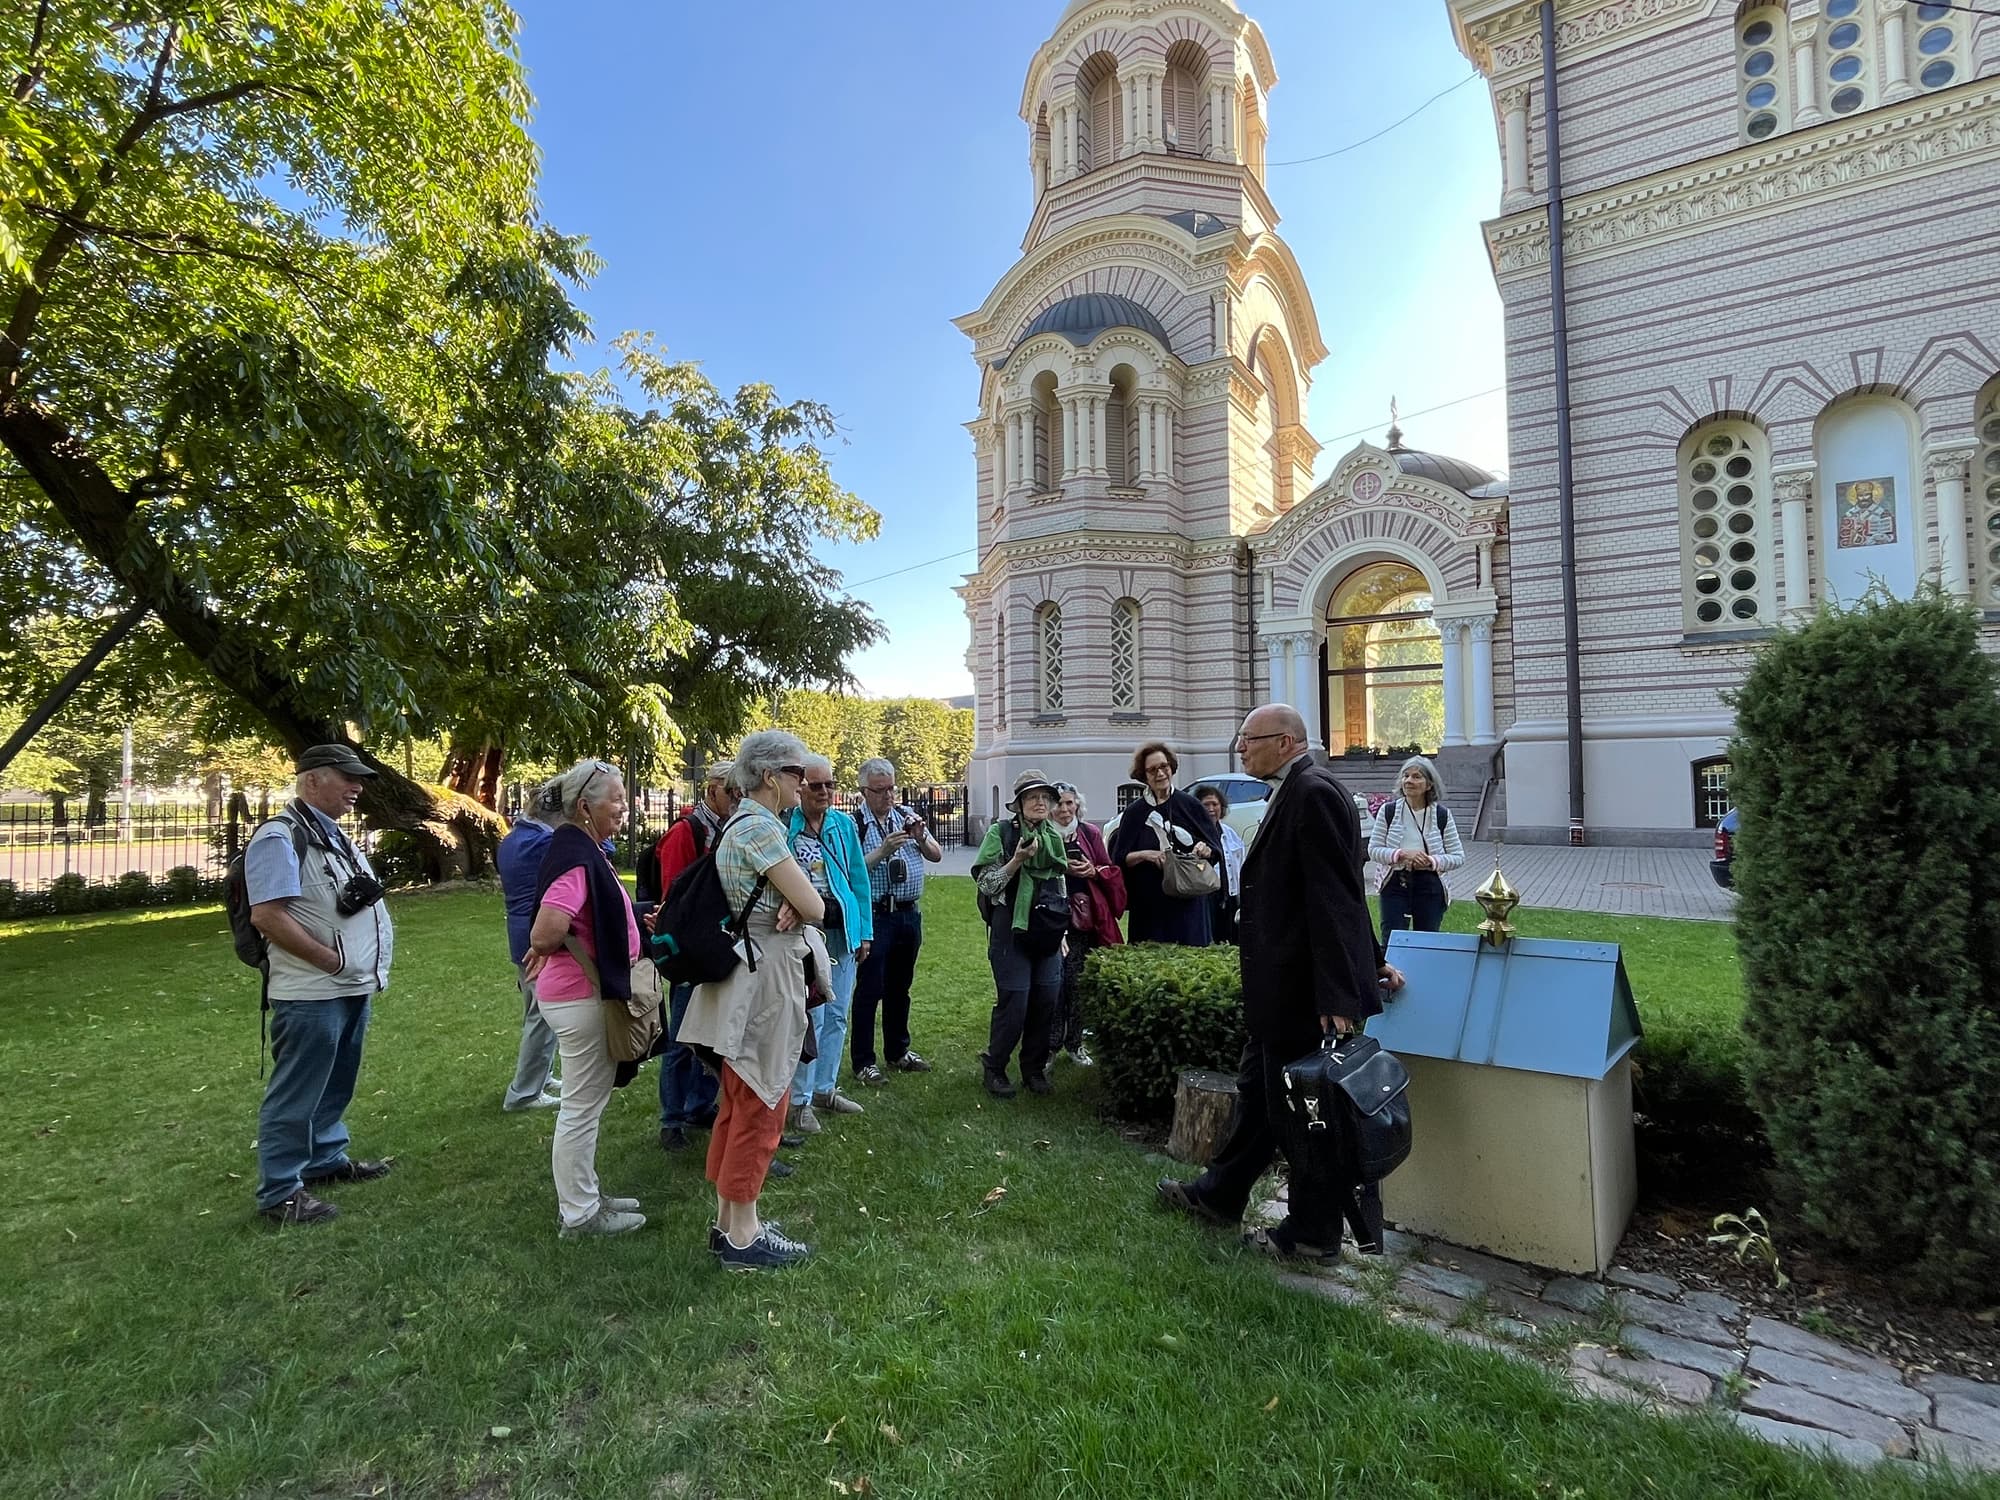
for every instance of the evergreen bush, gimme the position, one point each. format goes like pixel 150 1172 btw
pixel 1155 1009
pixel 69 894
pixel 1869 927
pixel 183 883
pixel 135 888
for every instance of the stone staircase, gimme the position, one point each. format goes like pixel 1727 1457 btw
pixel 1465 769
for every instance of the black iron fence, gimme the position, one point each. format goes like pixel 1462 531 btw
pixel 945 809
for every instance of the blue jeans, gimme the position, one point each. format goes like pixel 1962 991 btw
pixel 1413 900
pixel 315 1059
pixel 687 1089
pixel 830 1030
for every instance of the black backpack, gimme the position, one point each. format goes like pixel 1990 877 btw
pixel 1048 916
pixel 251 946
pixel 646 874
pixel 694 936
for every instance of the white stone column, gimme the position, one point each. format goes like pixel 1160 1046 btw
pixel 1075 139
pixel 1215 152
pixel 1805 75
pixel 1895 58
pixel 1515 192
pixel 1067 405
pixel 1100 454
pixel 1145 414
pixel 1483 578
pixel 1794 490
pixel 1947 472
pixel 1278 648
pixel 1168 438
pixel 1485 731
pixel 1305 690
pixel 1453 633
pixel 1226 123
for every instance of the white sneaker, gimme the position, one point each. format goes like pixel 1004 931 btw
pixel 543 1100
pixel 803 1120
pixel 606 1220
pixel 836 1103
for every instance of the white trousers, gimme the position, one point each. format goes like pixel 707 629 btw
pixel 587 1073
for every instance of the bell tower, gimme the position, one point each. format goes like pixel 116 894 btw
pixel 1143 371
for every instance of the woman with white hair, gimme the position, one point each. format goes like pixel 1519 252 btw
pixel 1413 839
pixel 753 1023
pixel 581 946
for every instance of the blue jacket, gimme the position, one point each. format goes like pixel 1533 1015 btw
pixel 519 858
pixel 847 871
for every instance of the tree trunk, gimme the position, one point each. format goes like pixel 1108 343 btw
pixel 455 834
pixel 1203 1104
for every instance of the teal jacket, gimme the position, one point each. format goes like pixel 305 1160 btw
pixel 846 869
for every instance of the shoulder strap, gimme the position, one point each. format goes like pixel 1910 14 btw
pixel 1443 818
pixel 584 962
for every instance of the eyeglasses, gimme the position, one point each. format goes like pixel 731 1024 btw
pixel 880 791
pixel 1246 739
pixel 1152 771
pixel 820 786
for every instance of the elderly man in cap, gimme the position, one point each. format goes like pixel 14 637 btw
pixel 319 907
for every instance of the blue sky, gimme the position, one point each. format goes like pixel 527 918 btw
pixel 807 192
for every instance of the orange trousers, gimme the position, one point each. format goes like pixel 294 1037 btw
pixel 743 1141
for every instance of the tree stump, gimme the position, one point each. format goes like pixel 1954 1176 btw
pixel 1203 1102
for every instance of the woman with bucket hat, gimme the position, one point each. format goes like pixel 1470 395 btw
pixel 1023 894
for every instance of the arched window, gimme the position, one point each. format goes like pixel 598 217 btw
pixel 1762 37
pixel 1252 134
pixel 1867 497
pixel 1847 54
pixel 1125 656
pixel 1046 425
pixel 1986 494
pixel 1711 790
pixel 999 667
pixel 1103 122
pixel 1049 650
pixel 1182 104
pixel 1937 46
pixel 1039 150
pixel 1385 661
pixel 1121 428
pixel 1726 528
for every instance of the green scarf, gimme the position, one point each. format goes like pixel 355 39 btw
pixel 1047 860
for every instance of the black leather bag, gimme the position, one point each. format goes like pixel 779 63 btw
pixel 1349 1110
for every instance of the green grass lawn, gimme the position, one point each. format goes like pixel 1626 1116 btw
pixel 439 1339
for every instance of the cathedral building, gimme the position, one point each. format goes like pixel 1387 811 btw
pixel 1778 387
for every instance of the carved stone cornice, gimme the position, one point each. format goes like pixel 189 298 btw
pixel 1825 162
pixel 1503 36
pixel 1793 484
pixel 1947 465
pixel 1511 99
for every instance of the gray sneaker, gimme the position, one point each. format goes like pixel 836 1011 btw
pixel 607 1220
pixel 803 1121
pixel 836 1103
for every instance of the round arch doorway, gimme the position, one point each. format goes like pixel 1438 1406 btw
pixel 1383 662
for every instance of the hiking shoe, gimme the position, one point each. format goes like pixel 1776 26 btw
pixel 717 1239
pixel 673 1138
pixel 871 1075
pixel 703 1121
pixel 1281 1243
pixel 1038 1083
pixel 351 1171
pixel 995 1078
pixel 836 1103
pixel 909 1062
pixel 803 1120
pixel 301 1208
pixel 607 1220
pixel 1181 1198
pixel 779 1168
pixel 770 1251
pixel 543 1100
pixel 790 1140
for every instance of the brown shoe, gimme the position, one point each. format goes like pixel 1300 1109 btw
pixel 352 1171
pixel 301 1208
pixel 1180 1197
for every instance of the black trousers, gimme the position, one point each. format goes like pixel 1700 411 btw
pixel 1319 1199
pixel 884 981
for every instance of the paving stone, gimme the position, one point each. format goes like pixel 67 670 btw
pixel 1507 1301
pixel 1671 1317
pixel 1593 1384
pixel 1395 1242
pixel 1436 1303
pixel 1726 1308
pixel 1324 1286
pixel 1671 1381
pixel 1645 1281
pixel 1783 1336
pixel 1809 1439
pixel 1472 1338
pixel 1955 1449
pixel 1968 1418
pixel 1672 1350
pixel 1438 1279
pixel 1579 1296
pixel 1490 1269
pixel 1877 1395
pixel 1790 1404
pixel 1513 1328
pixel 1957 1385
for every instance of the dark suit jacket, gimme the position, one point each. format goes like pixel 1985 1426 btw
pixel 1308 947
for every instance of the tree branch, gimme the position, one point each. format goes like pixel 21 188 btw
pixel 166 242
pixel 154 90
pixel 34 72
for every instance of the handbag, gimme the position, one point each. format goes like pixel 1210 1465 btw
pixel 1348 1108
pixel 1186 875
pixel 632 1026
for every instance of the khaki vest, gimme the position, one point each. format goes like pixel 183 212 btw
pixel 365 940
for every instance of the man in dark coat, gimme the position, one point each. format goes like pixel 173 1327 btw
pixel 1310 966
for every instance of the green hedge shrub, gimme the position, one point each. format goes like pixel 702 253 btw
pixel 1157 1009
pixel 1869 925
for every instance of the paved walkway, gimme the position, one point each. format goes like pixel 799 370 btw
pixel 1635 882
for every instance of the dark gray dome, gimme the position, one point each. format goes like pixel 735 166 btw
pixel 1454 472
pixel 1083 317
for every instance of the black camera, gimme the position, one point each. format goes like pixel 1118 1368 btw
pixel 899 869
pixel 360 893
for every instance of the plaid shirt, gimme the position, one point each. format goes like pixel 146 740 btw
pixel 911 887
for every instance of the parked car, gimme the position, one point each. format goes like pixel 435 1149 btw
pixel 1725 851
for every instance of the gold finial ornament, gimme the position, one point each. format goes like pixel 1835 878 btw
pixel 1496 897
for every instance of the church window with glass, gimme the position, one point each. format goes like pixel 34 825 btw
pixel 1986 494
pixel 1384 662
pixel 1846 55
pixel 1125 656
pixel 1939 62
pixel 1726 529
pixel 1760 70
pixel 1049 645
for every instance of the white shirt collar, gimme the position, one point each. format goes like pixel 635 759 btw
pixel 1277 777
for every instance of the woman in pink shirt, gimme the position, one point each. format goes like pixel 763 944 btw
pixel 581 949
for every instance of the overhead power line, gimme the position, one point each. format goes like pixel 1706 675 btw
pixel 1300 161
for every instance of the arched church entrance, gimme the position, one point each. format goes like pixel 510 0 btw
pixel 1382 662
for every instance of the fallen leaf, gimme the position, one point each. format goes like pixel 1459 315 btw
pixel 1989 1315
pixel 1272 1404
pixel 841 1485
pixel 892 1435
pixel 1044 1145
pixel 864 1210
pixel 862 1485
pixel 837 1421
pixel 1168 1342
pixel 500 1432
pixel 771 1318
pixel 996 1195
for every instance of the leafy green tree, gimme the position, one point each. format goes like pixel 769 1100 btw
pixel 283 354
pixel 1869 924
